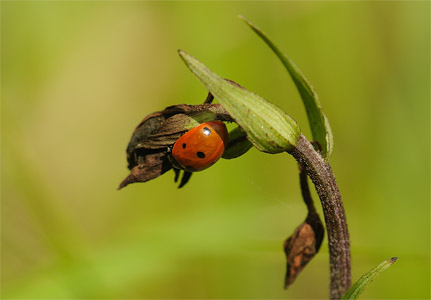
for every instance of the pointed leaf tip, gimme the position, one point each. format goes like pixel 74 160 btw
pixel 317 119
pixel 241 17
pixel 358 287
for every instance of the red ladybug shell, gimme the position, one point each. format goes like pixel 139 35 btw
pixel 200 147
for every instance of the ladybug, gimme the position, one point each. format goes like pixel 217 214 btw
pixel 200 147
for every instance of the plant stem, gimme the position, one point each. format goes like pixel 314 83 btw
pixel 321 175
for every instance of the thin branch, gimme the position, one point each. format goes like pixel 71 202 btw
pixel 305 190
pixel 312 217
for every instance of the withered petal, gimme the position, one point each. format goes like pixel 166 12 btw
pixel 153 166
pixel 167 133
pixel 300 248
pixel 145 128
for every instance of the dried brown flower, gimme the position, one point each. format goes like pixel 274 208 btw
pixel 148 154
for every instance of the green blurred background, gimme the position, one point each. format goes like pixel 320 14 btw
pixel 78 77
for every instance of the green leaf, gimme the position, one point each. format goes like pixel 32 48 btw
pixel 267 126
pixel 358 287
pixel 319 123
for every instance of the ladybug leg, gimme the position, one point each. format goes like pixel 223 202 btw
pixel 185 178
pixel 177 174
pixel 209 98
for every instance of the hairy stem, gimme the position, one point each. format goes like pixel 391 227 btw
pixel 321 175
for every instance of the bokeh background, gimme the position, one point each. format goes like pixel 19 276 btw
pixel 78 77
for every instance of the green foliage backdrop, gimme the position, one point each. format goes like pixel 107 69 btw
pixel 78 77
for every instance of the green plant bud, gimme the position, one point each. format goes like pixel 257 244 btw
pixel 267 126
pixel 237 145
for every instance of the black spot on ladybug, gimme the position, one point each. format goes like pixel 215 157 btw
pixel 184 145
pixel 200 154
pixel 207 131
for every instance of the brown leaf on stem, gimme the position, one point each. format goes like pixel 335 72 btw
pixel 152 166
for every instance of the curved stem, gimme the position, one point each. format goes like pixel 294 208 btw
pixel 321 175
